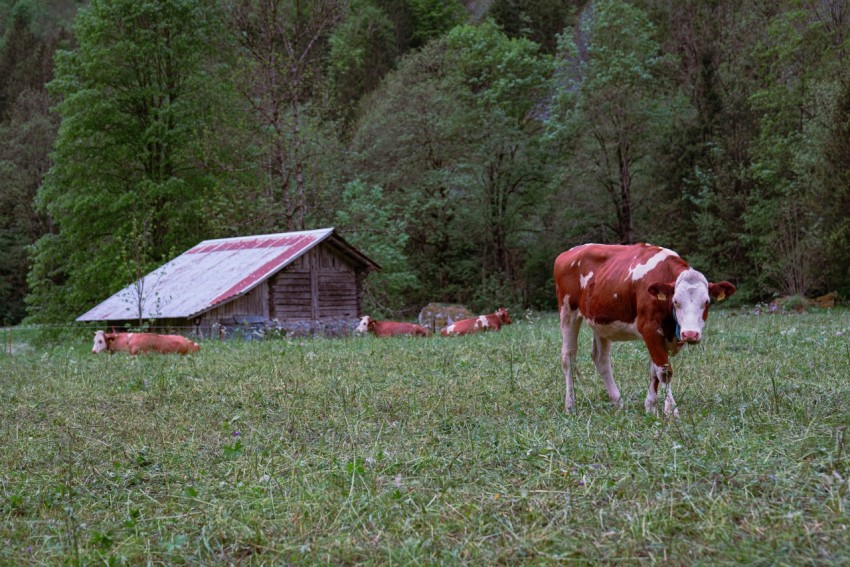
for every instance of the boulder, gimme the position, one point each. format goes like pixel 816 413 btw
pixel 435 316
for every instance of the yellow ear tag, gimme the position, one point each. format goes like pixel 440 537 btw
pixel 722 296
pixel 662 297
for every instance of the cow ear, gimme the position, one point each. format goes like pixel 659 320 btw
pixel 721 290
pixel 661 290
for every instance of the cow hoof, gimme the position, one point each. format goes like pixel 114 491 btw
pixel 618 404
pixel 671 410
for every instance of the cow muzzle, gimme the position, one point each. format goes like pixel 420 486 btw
pixel 691 337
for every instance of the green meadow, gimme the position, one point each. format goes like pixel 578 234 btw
pixel 430 451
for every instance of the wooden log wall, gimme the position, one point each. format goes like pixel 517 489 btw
pixel 319 285
pixel 255 302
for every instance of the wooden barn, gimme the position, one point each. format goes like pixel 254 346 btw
pixel 310 280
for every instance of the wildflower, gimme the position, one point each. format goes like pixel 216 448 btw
pixel 236 434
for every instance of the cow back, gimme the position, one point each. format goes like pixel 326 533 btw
pixel 608 283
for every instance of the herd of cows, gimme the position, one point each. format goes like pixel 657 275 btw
pixel 624 292
pixel 141 343
pixel 489 322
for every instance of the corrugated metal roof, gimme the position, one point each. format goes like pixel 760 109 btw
pixel 208 275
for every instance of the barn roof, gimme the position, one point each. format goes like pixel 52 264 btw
pixel 215 272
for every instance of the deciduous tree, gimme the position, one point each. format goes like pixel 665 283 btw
pixel 283 46
pixel 611 110
pixel 138 95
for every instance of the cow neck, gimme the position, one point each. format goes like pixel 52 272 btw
pixel 669 326
pixel 678 332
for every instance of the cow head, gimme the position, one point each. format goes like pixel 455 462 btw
pixel 365 324
pixel 101 342
pixel 504 316
pixel 690 296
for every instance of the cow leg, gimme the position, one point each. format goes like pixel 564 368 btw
pixel 660 371
pixel 570 326
pixel 652 394
pixel 669 403
pixel 602 359
pixel 664 375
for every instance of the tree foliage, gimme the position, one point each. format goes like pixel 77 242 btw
pixel 451 136
pixel 369 223
pixel 611 112
pixel 713 127
pixel 128 171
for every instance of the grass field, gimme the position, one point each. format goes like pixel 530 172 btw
pixel 405 451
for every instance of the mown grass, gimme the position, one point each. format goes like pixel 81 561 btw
pixel 431 451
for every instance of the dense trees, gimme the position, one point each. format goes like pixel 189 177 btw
pixel 129 184
pixel 27 131
pixel 612 110
pixel 463 144
pixel 451 138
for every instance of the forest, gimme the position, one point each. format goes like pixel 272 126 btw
pixel 461 144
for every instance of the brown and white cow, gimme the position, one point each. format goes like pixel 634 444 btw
pixel 489 322
pixel 111 342
pixel 136 343
pixel 635 292
pixel 390 328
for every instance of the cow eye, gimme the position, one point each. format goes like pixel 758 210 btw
pixel 676 304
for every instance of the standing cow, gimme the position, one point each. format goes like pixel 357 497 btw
pixel 636 292
pixel 489 322
pixel 137 343
pixel 390 328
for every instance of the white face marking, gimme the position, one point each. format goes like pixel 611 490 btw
pixel 364 324
pixel 616 295
pixel 99 342
pixel 616 331
pixel 636 273
pixel 584 279
pixel 689 300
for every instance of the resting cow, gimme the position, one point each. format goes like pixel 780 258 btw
pixel 390 328
pixel 636 292
pixel 136 343
pixel 111 342
pixel 490 322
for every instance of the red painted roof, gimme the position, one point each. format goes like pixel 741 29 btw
pixel 208 275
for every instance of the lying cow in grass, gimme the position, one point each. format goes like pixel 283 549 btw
pixel 136 343
pixel 111 342
pixel 489 322
pixel 390 328
pixel 627 293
